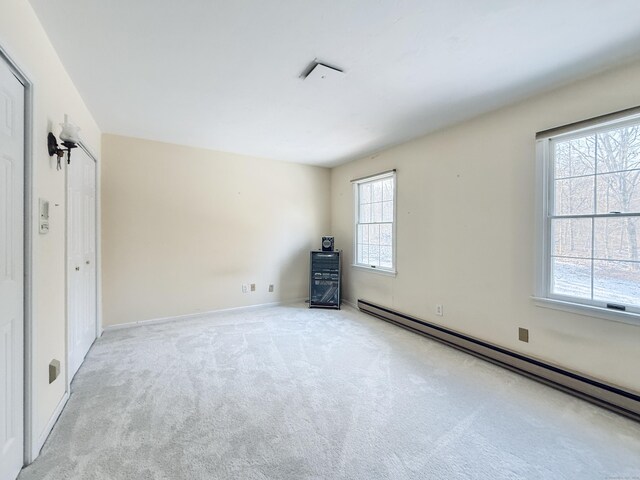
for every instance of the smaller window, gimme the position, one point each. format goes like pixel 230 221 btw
pixel 375 222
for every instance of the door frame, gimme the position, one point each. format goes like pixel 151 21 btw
pixel 27 223
pixel 96 208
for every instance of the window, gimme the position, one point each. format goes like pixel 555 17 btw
pixel 375 222
pixel 591 215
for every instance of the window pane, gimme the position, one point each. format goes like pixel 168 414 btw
pixel 386 234
pixel 387 212
pixel 364 238
pixel 571 237
pixel 387 190
pixel 571 277
pixel 374 234
pixel 359 254
pixel 619 149
pixel 374 255
pixel 376 191
pixel 619 192
pixel 376 212
pixel 386 257
pixel 617 282
pixel 574 196
pixel 365 213
pixel 365 193
pixel 575 157
pixel 365 254
pixel 617 238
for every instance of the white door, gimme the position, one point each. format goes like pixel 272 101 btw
pixel 81 257
pixel 11 267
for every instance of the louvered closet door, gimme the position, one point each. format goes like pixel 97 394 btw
pixel 11 268
pixel 81 215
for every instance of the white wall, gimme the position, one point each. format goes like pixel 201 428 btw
pixel 465 231
pixel 25 41
pixel 183 228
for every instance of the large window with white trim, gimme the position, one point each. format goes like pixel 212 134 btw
pixel 375 222
pixel 591 222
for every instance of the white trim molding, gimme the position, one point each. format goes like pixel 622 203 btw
pixel 50 424
pixel 379 271
pixel 588 310
pixel 350 304
pixel 194 316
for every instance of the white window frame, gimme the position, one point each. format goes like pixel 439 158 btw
pixel 544 201
pixel 356 183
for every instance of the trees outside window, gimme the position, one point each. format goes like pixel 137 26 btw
pixel 592 215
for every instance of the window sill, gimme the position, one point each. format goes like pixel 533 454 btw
pixel 379 271
pixel 588 310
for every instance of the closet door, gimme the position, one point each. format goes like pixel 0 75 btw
pixel 81 268
pixel 11 268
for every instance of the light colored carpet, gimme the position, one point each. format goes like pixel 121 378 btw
pixel 292 393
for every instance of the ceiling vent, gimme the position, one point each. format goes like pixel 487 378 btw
pixel 320 71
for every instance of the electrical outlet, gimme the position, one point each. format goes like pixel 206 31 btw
pixel 54 370
pixel 439 310
pixel 253 287
pixel 523 334
pixel 271 287
pixel 245 288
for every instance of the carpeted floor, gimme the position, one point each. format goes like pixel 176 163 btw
pixel 292 393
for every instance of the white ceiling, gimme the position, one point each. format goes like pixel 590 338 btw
pixel 225 74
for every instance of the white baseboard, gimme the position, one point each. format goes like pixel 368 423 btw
pixel 350 303
pixel 47 429
pixel 192 316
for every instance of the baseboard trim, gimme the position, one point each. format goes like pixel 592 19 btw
pixel 612 397
pixel 42 438
pixel 350 303
pixel 194 316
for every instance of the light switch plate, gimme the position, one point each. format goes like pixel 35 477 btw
pixel 44 216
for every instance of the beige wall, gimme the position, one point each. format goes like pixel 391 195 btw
pixel 465 231
pixel 25 41
pixel 183 228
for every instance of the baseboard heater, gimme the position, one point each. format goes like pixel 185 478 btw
pixel 611 397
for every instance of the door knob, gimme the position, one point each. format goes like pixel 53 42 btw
pixel 87 262
pixel 77 269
